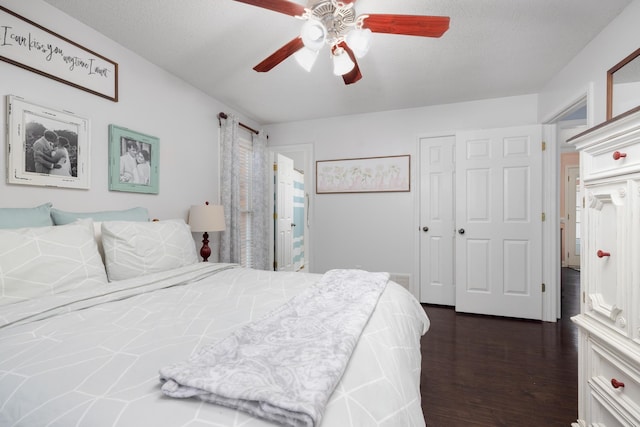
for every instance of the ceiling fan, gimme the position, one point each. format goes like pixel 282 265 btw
pixel 334 23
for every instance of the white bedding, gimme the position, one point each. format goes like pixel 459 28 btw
pixel 91 356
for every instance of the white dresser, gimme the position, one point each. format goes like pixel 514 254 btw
pixel 609 319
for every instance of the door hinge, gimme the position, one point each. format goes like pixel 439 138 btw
pixel 275 216
pixel 544 146
pixel 275 265
pixel 544 288
pixel 275 166
pixel 544 216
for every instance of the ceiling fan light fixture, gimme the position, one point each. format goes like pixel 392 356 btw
pixel 306 57
pixel 342 64
pixel 359 40
pixel 313 34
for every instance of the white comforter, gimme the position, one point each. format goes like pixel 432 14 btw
pixel 89 360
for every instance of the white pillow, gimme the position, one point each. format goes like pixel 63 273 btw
pixel 134 248
pixel 50 260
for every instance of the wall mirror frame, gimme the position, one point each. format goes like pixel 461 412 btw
pixel 623 85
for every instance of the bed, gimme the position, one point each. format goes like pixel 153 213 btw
pixel 93 337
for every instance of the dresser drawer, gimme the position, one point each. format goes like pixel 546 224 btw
pixel 606 255
pixel 601 414
pixel 607 162
pixel 608 372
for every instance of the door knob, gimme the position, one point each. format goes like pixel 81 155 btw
pixel 293 225
pixel 461 231
pixel 425 229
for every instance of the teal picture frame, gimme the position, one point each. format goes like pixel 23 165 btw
pixel 134 161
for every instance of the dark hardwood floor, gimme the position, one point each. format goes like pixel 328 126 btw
pixel 492 371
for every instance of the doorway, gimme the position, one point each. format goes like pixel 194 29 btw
pixel 302 158
pixel 571 121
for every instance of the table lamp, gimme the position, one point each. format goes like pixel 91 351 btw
pixel 206 218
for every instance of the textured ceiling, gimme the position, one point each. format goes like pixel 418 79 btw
pixel 493 48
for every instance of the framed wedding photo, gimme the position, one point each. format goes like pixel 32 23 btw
pixel 46 146
pixel 134 161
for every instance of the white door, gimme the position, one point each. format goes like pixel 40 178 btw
pixel 572 223
pixel 437 227
pixel 284 213
pixel 499 222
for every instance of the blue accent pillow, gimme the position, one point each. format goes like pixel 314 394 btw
pixel 40 216
pixel 133 214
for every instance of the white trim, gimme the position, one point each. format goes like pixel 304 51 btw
pixel 551 225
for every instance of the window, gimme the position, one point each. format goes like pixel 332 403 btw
pixel 246 213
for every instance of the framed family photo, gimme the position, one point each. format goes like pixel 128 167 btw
pixel 133 161
pixel 46 146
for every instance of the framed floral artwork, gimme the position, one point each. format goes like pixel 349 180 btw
pixel 364 175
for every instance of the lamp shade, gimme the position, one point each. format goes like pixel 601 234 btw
pixel 359 41
pixel 306 58
pixel 342 64
pixel 313 34
pixel 206 218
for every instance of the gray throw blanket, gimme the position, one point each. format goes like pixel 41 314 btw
pixel 285 366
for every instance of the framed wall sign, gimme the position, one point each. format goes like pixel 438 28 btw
pixel 134 161
pixel 364 175
pixel 46 146
pixel 35 48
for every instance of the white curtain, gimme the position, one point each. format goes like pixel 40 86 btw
pixel 230 190
pixel 230 244
pixel 260 202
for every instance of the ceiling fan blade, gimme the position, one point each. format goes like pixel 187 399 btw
pixel 354 75
pixel 411 25
pixel 282 6
pixel 280 55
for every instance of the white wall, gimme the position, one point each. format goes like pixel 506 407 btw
pixel 151 101
pixel 375 231
pixel 589 68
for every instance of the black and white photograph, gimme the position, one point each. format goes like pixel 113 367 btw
pixel 133 161
pixel 46 146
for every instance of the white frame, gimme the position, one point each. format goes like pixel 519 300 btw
pixel 19 114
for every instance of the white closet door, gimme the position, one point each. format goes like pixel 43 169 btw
pixel 437 226
pixel 499 222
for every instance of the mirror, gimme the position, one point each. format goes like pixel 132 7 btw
pixel 623 85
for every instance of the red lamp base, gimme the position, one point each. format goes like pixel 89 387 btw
pixel 205 252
